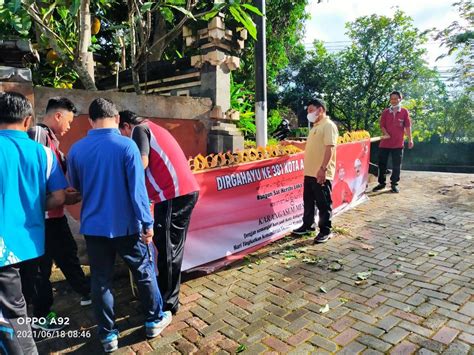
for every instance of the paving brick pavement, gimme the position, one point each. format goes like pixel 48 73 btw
pixel 418 250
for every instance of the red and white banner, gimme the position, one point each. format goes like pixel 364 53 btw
pixel 255 203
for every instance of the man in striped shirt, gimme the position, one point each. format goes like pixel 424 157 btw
pixel 173 189
pixel 60 244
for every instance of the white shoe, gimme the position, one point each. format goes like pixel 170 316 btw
pixel 153 329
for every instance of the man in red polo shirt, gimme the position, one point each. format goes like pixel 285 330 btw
pixel 394 123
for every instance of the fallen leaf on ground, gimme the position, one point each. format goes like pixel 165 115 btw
pixel 364 275
pixel 361 282
pixel 367 247
pixel 241 348
pixel 335 266
pixel 322 289
pixel 432 253
pixel 343 300
pixel 324 309
pixel 341 230
pixel 289 254
pixel 287 279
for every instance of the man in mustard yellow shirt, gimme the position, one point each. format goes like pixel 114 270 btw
pixel 319 170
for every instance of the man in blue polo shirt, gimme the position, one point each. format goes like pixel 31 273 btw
pixel 31 182
pixel 115 218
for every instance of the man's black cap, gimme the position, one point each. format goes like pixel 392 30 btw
pixel 317 103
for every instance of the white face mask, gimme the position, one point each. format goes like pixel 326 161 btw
pixel 311 117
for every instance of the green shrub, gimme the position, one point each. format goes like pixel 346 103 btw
pixel 249 144
pixel 300 132
pixel 273 120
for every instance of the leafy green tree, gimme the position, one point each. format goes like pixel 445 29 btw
pixel 284 32
pixel 155 26
pixel 446 118
pixel 458 38
pixel 426 99
pixel 136 30
pixel 385 52
pixel 242 100
pixel 309 75
pixel 459 123
pixel 13 19
pixel 61 31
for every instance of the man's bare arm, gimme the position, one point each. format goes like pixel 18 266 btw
pixel 298 144
pixel 328 153
pixel 321 174
pixel 410 139
pixel 385 134
pixel 145 161
pixel 55 199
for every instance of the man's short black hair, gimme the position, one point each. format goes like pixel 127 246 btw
pixel 60 103
pixel 129 117
pixel 14 107
pixel 102 108
pixel 398 93
pixel 317 103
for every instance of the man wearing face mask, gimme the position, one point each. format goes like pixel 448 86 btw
pixel 394 123
pixel 319 170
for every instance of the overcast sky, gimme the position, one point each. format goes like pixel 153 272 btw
pixel 329 17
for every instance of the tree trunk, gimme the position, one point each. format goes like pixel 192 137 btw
pixel 64 52
pixel 159 30
pixel 85 56
pixel 133 50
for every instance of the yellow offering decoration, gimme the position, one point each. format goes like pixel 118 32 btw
pixel 220 160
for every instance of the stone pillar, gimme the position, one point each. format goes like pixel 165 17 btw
pixel 216 46
pixel 215 83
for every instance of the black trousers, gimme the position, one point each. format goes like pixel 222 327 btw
pixel 62 248
pixel 15 330
pixel 314 193
pixel 397 154
pixel 172 219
